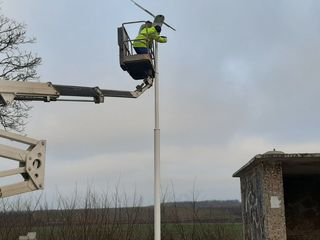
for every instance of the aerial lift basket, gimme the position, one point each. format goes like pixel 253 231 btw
pixel 139 66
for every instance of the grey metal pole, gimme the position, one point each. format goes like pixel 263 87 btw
pixel 157 201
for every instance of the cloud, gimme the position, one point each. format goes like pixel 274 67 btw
pixel 205 169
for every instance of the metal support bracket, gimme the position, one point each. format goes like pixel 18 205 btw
pixel 31 164
pixel 99 98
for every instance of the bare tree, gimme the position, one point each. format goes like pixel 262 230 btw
pixel 16 64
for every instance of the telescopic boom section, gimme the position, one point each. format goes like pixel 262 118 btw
pixel 35 91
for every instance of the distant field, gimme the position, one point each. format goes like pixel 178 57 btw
pixel 204 231
pixel 132 232
pixel 144 232
pixel 209 220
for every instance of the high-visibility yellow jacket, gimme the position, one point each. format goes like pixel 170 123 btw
pixel 146 36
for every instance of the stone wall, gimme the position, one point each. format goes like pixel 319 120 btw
pixel 252 205
pixel 263 203
pixel 274 202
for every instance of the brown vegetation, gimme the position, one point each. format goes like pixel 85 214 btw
pixel 113 218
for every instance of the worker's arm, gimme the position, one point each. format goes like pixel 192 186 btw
pixel 155 35
pixel 161 39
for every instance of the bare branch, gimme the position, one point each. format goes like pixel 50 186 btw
pixel 16 64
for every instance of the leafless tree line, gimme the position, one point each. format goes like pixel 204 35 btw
pixel 16 64
pixel 106 216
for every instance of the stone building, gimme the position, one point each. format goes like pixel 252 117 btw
pixel 281 196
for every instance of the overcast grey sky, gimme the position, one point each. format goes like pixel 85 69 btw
pixel 238 78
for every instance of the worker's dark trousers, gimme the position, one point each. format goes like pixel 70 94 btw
pixel 141 50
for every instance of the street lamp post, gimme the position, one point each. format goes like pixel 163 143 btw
pixel 157 201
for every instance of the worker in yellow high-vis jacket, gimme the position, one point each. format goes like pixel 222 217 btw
pixel 143 41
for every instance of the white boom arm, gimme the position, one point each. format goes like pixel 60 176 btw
pixel 36 91
pixel 31 164
pixel 32 160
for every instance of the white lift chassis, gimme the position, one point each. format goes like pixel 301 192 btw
pixel 31 164
pixel 31 161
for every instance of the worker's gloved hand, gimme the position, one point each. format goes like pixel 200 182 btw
pixel 164 39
